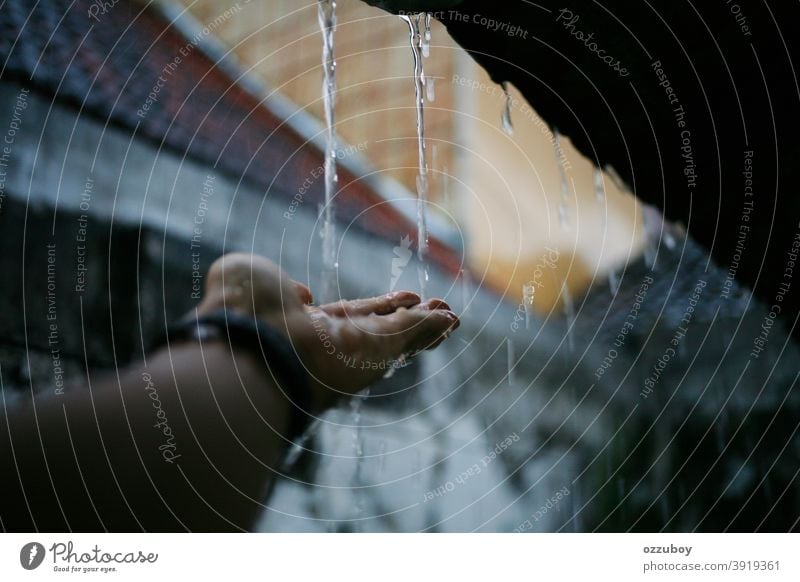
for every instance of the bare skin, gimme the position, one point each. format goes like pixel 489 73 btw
pixel 191 439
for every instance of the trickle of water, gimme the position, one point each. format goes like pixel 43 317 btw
pixel 528 294
pixel 600 197
pixel 326 12
pixel 563 208
pixel 464 292
pixel 651 225
pixel 613 281
pixel 382 456
pixel 426 40
pixel 446 185
pixel 422 176
pixel 356 404
pixel 511 360
pixel 508 125
pixel 599 188
pixel 568 305
pixel 299 446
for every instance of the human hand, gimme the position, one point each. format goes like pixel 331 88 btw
pixel 344 346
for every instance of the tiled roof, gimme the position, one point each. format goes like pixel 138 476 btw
pixel 110 64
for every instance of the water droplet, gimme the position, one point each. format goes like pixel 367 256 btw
pixel 430 85
pixel 426 40
pixel 508 125
pixel 528 295
pixel 568 305
pixel 511 360
pixel 561 160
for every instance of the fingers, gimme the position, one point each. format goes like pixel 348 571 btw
pixel 382 305
pixel 416 329
pixel 432 304
pixel 304 292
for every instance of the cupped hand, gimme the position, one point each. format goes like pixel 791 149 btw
pixel 344 346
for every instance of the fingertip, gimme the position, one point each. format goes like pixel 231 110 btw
pixel 435 304
pixel 304 292
pixel 404 299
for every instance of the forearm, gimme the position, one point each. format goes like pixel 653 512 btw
pixel 189 441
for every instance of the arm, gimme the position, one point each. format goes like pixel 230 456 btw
pixel 191 439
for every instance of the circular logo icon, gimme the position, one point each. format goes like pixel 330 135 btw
pixel 31 555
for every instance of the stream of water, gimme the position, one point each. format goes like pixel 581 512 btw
pixel 418 42
pixel 326 11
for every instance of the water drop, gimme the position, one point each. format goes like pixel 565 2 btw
pixel 528 295
pixel 613 281
pixel 430 86
pixel 508 125
pixel 464 292
pixel 426 40
pixel 568 305
pixel 511 361
pixel 563 208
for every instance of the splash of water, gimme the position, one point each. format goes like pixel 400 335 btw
pixel 508 124
pixel 416 41
pixel 326 13
pixel 563 208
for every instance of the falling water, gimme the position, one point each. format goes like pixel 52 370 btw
pixel 600 197
pixel 430 86
pixel 446 185
pixel 508 125
pixel 326 12
pixel 511 359
pixel 426 40
pixel 356 404
pixel 650 223
pixel 528 293
pixel 422 176
pixel 569 313
pixel 599 190
pixel 464 292
pixel 563 209
pixel 382 456
pixel 613 281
